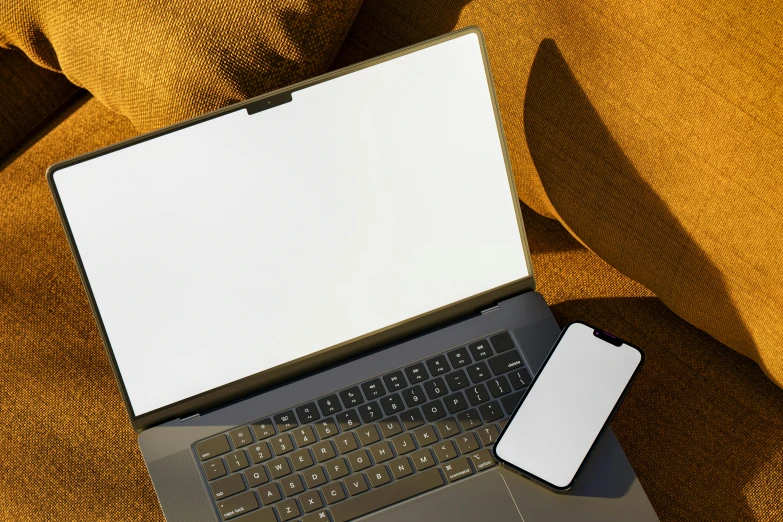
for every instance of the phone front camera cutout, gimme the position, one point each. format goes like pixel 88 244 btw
pixel 609 338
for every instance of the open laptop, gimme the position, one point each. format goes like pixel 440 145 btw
pixel 319 304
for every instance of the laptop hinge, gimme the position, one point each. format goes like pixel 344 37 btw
pixel 488 310
pixel 191 417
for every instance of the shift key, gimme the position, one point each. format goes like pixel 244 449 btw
pixel 238 505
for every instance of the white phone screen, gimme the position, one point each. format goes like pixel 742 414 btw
pixel 568 405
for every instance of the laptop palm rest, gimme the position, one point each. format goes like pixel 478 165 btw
pixel 470 500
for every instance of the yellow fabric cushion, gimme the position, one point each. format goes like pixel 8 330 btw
pixel 652 131
pixel 162 62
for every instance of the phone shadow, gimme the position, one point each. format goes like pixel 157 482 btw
pixel 607 472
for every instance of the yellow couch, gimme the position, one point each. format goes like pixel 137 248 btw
pixel 629 123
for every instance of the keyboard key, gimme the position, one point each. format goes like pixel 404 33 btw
pixel 395 381
pixel 261 515
pixel 337 469
pixel 212 447
pixel 282 444
pixel 423 459
pixel 412 419
pixel 311 501
pixel 287 510
pixel 414 396
pixel 269 494
pixel 256 476
pixel 329 405
pixel 520 378
pixel 416 373
pixel 373 389
pixel 477 394
pixel 425 435
pixel 490 411
pixel 345 443
pixel 457 380
pixel 434 411
pixel 510 402
pixel 238 505
pixel 227 486
pixel 301 459
pixel 435 388
pixel 469 419
pixel 488 434
pixel 368 434
pixel 351 397
pixel 292 485
pixel 438 365
pixel 506 362
pixel 386 496
pixel 467 442
pixel 502 424
pixel 279 467
pixel 318 516
pixel 381 452
pixel 333 493
pixel 378 476
pixel 323 451
pixel 456 402
pixel 304 436
pixel 326 428
pixel 390 427
pixel 482 459
pixel 480 350
pixel 392 404
pixel 403 443
pixel 478 372
pixel 241 436
pixel 459 357
pixel 356 484
pixel 499 386
pixel 445 451
pixel 214 469
pixel 359 460
pixel 263 429
pixel 307 413
pixel 237 460
pixel 502 342
pixel 348 420
pixel 447 428
pixel 401 467
pixel 315 477
pixel 457 469
pixel 285 421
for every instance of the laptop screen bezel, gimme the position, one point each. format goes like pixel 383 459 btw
pixel 334 354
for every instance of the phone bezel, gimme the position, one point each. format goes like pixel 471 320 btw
pixel 535 478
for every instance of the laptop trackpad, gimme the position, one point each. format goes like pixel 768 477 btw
pixel 485 497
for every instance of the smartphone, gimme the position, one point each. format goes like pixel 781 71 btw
pixel 572 398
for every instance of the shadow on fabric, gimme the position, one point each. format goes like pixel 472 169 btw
pixel 383 26
pixel 603 199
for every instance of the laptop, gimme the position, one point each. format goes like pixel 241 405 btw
pixel 319 304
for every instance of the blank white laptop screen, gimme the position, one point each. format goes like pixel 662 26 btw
pixel 247 241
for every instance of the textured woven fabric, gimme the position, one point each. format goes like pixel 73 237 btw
pixel 653 131
pixel 162 62
pixel 29 97
pixel 702 426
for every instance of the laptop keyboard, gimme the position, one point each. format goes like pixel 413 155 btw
pixel 371 445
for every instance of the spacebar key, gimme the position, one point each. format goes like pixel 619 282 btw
pixel 387 495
